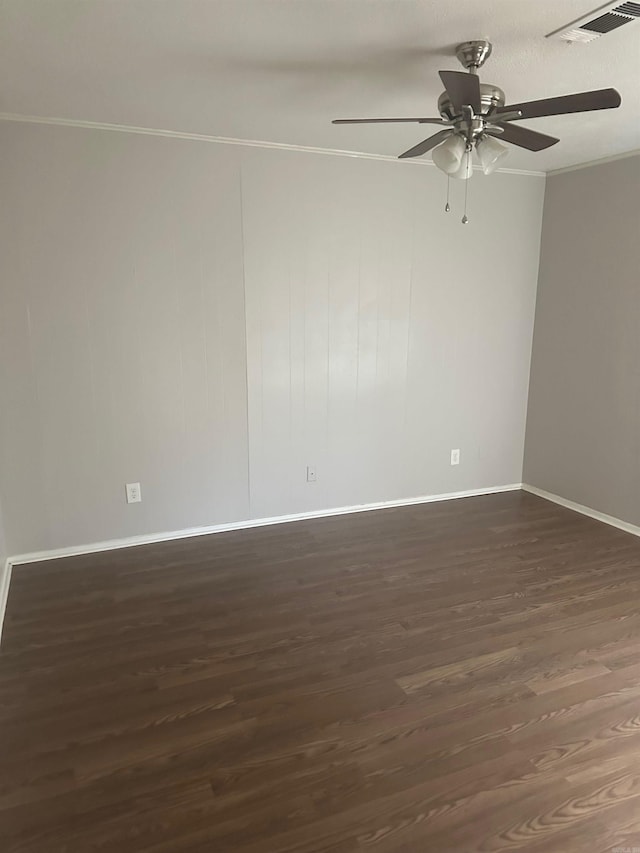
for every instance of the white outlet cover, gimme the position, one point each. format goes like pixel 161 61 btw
pixel 134 494
pixel 455 457
pixel 311 473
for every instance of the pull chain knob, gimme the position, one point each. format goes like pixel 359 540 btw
pixel 465 219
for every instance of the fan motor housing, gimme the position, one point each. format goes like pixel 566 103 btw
pixel 490 97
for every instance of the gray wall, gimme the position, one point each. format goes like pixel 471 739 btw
pixel 209 320
pixel 583 428
pixel 3 545
pixel 377 339
pixel 121 336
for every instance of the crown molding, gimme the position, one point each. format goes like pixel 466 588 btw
pixel 590 163
pixel 227 140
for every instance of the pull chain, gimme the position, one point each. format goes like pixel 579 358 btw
pixel 447 206
pixel 465 218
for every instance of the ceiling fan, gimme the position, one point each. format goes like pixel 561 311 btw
pixel 473 113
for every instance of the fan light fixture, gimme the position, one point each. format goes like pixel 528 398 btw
pixel 448 155
pixel 490 153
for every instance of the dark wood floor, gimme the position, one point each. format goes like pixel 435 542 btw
pixel 462 676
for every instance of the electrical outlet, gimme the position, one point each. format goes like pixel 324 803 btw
pixel 311 473
pixel 134 495
pixel 455 457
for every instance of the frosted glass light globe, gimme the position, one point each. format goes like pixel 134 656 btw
pixel 448 155
pixel 490 153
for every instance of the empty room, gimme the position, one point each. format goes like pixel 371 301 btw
pixel 319 426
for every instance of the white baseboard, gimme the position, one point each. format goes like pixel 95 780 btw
pixel 584 510
pixel 151 538
pixel 112 544
pixel 5 578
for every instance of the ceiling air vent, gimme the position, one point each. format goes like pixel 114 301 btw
pixel 598 23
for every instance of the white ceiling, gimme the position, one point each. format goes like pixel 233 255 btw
pixel 280 70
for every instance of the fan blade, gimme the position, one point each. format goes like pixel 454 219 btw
pixel 426 144
pixel 463 89
pixel 381 120
pixel 525 138
pixel 512 115
pixel 601 99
